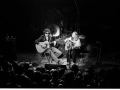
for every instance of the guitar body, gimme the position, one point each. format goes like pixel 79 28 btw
pixel 68 45
pixel 42 46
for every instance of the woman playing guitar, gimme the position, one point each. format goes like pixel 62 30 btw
pixel 73 44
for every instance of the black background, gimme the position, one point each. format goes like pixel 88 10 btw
pixel 26 19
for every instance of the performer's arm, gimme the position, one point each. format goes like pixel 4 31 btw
pixel 39 40
pixel 67 39
pixel 77 44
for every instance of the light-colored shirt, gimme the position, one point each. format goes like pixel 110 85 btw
pixel 47 38
pixel 77 42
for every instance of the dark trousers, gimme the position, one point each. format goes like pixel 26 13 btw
pixel 72 53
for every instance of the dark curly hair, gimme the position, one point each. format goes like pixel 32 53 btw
pixel 46 30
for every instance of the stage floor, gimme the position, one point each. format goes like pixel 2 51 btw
pixel 36 58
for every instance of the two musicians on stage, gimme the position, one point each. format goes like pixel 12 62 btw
pixel 72 46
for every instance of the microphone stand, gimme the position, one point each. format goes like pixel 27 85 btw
pixel 99 55
pixel 61 22
pixel 78 13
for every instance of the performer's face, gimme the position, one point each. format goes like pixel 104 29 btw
pixel 47 34
pixel 74 35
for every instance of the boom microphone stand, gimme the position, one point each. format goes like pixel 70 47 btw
pixel 61 22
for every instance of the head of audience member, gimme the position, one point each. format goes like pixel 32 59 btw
pixel 87 78
pixel 30 73
pixel 11 85
pixel 20 69
pixel 69 76
pixel 46 76
pixel 41 69
pixel 38 77
pixel 26 65
pixel 5 65
pixel 60 86
pixel 47 71
pixel 62 82
pixel 54 73
pixel 75 69
pixel 103 84
pixel 78 80
pixel 23 80
pixel 34 85
pixel 15 66
pixel 79 74
pixel 54 77
pixel 45 83
pixel 52 85
pixel 61 72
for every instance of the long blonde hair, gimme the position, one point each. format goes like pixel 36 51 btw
pixel 75 35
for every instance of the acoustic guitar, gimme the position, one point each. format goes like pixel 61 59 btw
pixel 70 45
pixel 42 46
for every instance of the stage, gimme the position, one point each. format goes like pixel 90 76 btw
pixel 38 60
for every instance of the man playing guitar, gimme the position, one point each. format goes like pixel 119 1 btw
pixel 73 44
pixel 44 45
